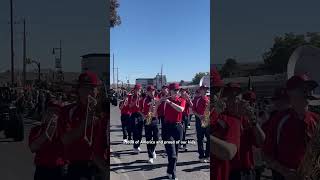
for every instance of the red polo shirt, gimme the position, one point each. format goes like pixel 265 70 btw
pixel 79 149
pixel 51 153
pixel 226 128
pixel 171 115
pixel 244 159
pixel 187 109
pixel 287 137
pixel 136 100
pixel 200 104
pixel 125 109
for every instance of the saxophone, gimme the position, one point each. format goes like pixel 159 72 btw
pixel 309 168
pixel 206 120
pixel 151 112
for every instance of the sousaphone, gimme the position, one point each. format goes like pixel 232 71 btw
pixel 306 60
pixel 205 81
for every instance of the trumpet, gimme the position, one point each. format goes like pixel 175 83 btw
pixel 90 116
pixel 51 126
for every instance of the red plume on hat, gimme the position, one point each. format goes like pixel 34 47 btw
pixel 215 77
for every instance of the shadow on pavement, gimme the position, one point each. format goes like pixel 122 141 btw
pixel 115 130
pixel 160 178
pixel 147 167
pixel 5 140
pixel 199 168
pixel 129 168
pixel 116 143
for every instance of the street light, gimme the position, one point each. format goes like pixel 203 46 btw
pixel 29 61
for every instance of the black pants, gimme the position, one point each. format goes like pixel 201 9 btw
pixel 161 120
pixel 44 173
pixel 152 134
pixel 201 133
pixel 125 120
pixel 242 175
pixel 277 176
pixel 185 120
pixel 189 120
pixel 172 133
pixel 137 121
pixel 81 170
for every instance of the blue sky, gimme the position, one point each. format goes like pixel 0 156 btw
pixel 175 33
pixel 80 24
pixel 246 29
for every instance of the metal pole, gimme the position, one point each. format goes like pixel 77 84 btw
pixel 39 72
pixel 12 54
pixel 24 52
pixel 117 77
pixel 113 68
pixel 61 74
pixel 161 76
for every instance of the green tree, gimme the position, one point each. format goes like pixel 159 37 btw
pixel 115 19
pixel 197 77
pixel 276 59
pixel 229 66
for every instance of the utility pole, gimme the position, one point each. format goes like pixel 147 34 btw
pixel 58 62
pixel 113 68
pixel 161 76
pixel 24 52
pixel 12 54
pixel 60 56
pixel 117 77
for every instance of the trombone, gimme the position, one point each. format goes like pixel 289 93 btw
pixel 52 123
pixel 90 116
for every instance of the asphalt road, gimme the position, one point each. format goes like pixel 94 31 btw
pixel 16 158
pixel 125 165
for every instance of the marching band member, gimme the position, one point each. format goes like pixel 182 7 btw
pixel 199 107
pixel 194 100
pixel 136 118
pixel 148 109
pixel 225 130
pixel 251 136
pixel 185 115
pixel 172 129
pixel 125 119
pixel 81 129
pixel 49 152
pixel 290 131
pixel 280 103
pixel 161 108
